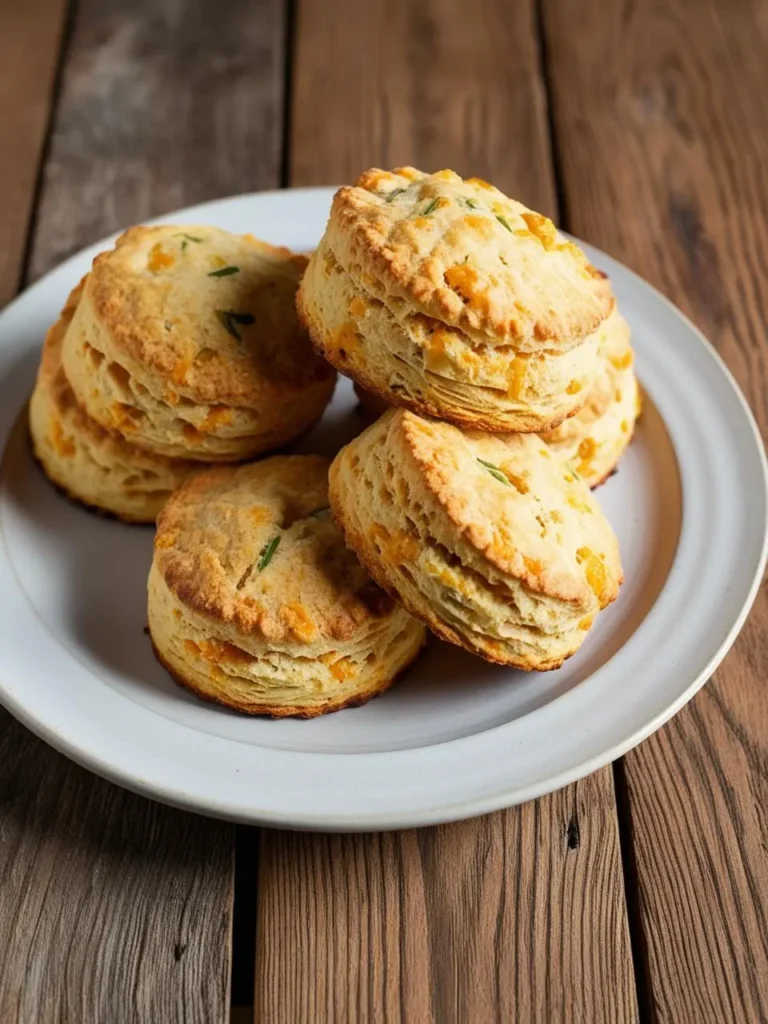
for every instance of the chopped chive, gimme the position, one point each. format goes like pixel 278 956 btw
pixel 495 472
pixel 168 325
pixel 228 318
pixel 224 272
pixel 267 553
pixel 505 222
pixel 471 203
pixel 393 194
pixel 430 208
pixel 320 511
pixel 187 237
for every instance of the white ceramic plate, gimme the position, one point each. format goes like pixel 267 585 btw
pixel 456 737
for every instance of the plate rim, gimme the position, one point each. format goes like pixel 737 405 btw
pixel 446 811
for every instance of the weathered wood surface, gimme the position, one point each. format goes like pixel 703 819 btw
pixel 516 916
pixel 30 40
pixel 662 132
pixel 113 908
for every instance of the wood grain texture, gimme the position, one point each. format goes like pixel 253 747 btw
pixel 519 915
pixel 114 909
pixel 662 134
pixel 164 104
pixel 30 39
pixel 422 83
pixel 515 916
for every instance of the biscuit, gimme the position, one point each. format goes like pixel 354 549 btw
pixel 91 464
pixel 448 298
pixel 594 440
pixel 255 602
pixel 186 342
pixel 489 539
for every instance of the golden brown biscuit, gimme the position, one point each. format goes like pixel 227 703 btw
pixel 488 539
pixel 595 438
pixel 89 463
pixel 446 297
pixel 186 342
pixel 255 602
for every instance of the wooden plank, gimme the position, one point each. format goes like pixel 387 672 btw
pixel 30 39
pixel 517 915
pixel 164 104
pixel 113 908
pixel 662 132
pixel 427 84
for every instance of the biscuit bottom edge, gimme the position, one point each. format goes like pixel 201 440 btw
pixel 209 689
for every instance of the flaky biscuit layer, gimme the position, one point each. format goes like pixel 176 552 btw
pixel 490 540
pixel 424 364
pixel 89 463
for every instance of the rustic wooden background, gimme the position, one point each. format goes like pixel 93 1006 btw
pixel 640 893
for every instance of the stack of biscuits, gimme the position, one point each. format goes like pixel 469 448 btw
pixel 180 348
pixel 506 370
pixel 499 374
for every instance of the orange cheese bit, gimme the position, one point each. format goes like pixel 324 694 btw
pixel 159 260
pixel 406 172
pixel 125 418
pixel 340 668
pixel 586 452
pixel 221 652
pixel 586 622
pixel 297 619
pixel 217 262
pixel 542 227
pixel 358 307
pixel 623 362
pixel 555 516
pixel 165 540
pixel 479 183
pixel 191 648
pixel 218 416
pixel 594 570
pixel 517 481
pixel 180 371
pixel 516 376
pixel 63 444
pixel 259 515
pixel 346 339
pixel 573 388
pixel 533 565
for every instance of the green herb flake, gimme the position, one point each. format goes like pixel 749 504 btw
pixel 471 203
pixel 393 194
pixel 224 272
pixel 186 239
pixel 504 222
pixel 430 208
pixel 495 472
pixel 229 320
pixel 267 553
pixel 168 325
pixel 320 512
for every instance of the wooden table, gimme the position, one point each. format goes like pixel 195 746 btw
pixel 640 893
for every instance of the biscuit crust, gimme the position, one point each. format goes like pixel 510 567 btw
pixel 490 540
pixel 445 297
pixel 255 602
pixel 91 465
pixel 186 342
